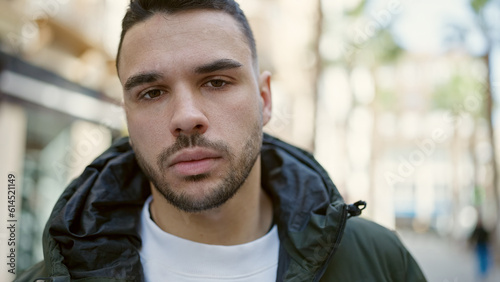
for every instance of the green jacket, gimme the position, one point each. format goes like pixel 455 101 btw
pixel 92 233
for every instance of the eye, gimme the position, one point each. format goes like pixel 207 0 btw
pixel 152 94
pixel 216 83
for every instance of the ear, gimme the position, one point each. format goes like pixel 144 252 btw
pixel 265 95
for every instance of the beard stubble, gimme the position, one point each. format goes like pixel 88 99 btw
pixel 236 174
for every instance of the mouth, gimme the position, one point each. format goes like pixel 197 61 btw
pixel 194 161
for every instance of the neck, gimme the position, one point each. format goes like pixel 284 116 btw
pixel 245 217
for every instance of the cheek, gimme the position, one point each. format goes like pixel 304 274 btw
pixel 138 125
pixel 239 118
pixel 145 130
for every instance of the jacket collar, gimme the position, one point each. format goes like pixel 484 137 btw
pixel 309 210
pixel 92 230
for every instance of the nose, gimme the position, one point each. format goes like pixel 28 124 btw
pixel 188 117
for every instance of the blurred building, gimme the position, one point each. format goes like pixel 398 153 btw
pixel 406 131
pixel 59 104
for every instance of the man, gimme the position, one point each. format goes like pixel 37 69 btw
pixel 198 192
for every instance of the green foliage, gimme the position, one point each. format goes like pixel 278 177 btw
pixel 479 196
pixel 373 49
pixel 478 5
pixel 386 99
pixel 385 48
pixel 379 50
pixel 358 10
pixel 457 93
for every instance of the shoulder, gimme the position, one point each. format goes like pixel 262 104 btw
pixel 371 242
pixel 362 231
pixel 371 252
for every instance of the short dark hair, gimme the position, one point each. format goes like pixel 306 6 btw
pixel 141 10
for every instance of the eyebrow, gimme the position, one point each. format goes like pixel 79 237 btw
pixel 222 64
pixel 141 78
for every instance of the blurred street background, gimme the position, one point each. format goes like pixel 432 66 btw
pixel 397 99
pixel 445 260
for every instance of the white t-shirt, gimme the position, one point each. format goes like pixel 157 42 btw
pixel 166 257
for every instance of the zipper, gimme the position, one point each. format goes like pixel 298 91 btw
pixel 345 216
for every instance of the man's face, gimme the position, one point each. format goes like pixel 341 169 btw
pixel 195 105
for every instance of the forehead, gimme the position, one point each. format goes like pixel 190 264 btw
pixel 188 37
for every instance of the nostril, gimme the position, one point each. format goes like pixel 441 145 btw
pixel 197 128
pixel 187 120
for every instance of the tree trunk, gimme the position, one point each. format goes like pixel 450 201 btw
pixel 489 111
pixel 318 68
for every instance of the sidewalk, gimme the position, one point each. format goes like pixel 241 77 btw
pixel 444 260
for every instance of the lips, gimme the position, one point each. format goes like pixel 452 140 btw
pixel 194 161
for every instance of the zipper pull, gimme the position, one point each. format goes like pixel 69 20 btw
pixel 356 208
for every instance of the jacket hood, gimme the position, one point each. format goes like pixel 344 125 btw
pixel 93 228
